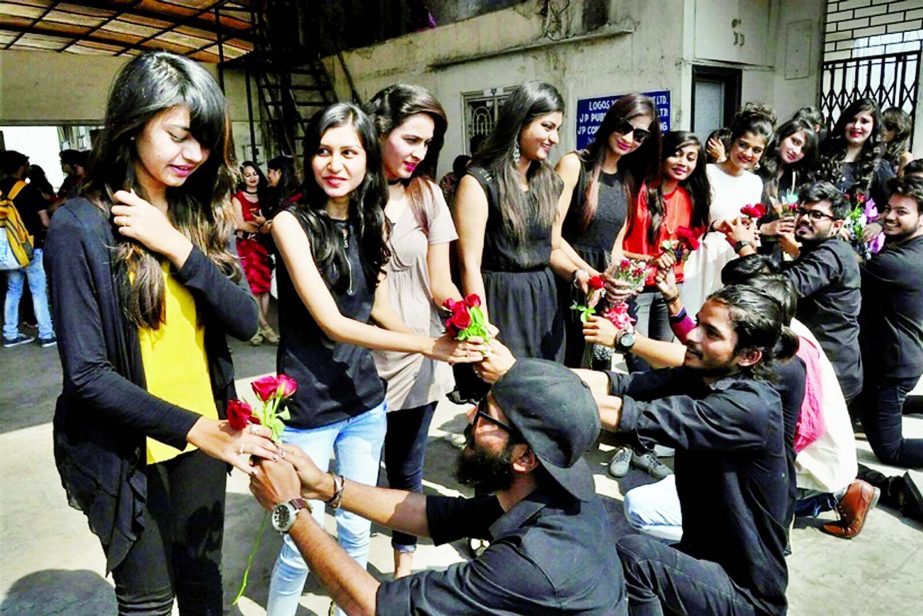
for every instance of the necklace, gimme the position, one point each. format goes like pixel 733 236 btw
pixel 251 192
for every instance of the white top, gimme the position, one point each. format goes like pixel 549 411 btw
pixel 729 193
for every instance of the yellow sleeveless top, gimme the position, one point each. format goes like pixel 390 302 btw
pixel 175 363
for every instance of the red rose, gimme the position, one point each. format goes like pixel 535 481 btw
pixel 596 282
pixel 267 386
pixel 473 300
pixel 757 210
pixel 240 414
pixel 625 265
pixel 459 320
pixel 449 304
pixel 688 237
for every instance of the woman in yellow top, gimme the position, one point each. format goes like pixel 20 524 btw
pixel 145 285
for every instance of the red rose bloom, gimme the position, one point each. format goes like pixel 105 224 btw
pixel 267 386
pixel 473 300
pixel 757 210
pixel 596 282
pixel 240 414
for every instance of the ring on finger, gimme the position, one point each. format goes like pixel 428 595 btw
pixel 240 451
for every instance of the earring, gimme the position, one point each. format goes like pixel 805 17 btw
pixel 756 166
pixel 516 153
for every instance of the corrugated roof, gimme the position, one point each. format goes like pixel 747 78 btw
pixel 117 27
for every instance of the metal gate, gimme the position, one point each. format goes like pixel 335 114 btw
pixel 890 79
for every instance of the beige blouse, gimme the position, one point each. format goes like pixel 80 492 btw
pixel 414 380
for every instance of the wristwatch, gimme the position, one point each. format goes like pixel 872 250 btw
pixel 284 514
pixel 625 342
pixel 740 245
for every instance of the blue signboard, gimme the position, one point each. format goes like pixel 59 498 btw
pixel 590 113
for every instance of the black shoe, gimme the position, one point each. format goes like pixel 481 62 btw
pixel 909 498
pixel 19 340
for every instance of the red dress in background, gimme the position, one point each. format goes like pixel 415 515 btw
pixel 253 253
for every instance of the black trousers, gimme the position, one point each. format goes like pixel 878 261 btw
pixel 179 551
pixel 662 580
pixel 881 404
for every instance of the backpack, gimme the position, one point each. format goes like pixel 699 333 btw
pixel 15 239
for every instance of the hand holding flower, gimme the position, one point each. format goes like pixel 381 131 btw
pixel 274 482
pixel 599 330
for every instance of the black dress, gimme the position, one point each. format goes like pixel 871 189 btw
pixel 519 284
pixel 593 244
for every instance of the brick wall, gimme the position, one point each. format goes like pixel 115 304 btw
pixel 859 28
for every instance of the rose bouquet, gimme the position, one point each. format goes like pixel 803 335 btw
pixel 686 241
pixel 629 270
pixel 596 291
pixel 863 213
pixel 272 390
pixel 466 319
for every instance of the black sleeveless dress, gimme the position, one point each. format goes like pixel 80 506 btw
pixel 593 244
pixel 519 284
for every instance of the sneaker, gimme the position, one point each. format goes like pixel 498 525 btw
pixel 618 465
pixel 477 546
pixel 48 342
pixel 257 340
pixel 20 339
pixel 649 463
pixel 662 451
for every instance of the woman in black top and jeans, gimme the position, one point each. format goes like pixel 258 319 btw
pixel 334 246
pixel 145 284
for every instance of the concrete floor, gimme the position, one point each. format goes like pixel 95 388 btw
pixel 50 563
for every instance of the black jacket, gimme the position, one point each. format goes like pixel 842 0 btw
pixel 104 411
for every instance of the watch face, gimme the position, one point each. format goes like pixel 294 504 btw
pixel 282 517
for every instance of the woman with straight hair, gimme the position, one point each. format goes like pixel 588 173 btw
pixel 600 182
pixel 145 285
pixel 411 125
pixel 283 185
pixel 334 246
pixel 508 225
pixel 679 197
pixel 852 155
pixel 733 186
pixel 252 225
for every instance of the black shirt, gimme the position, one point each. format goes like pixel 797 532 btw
pixel 731 470
pixel 502 251
pixel 892 310
pixel 594 244
pixel 877 187
pixel 826 276
pixel 336 380
pixel 29 202
pixel 550 554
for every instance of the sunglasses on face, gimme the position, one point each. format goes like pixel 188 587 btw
pixel 626 128
pixel 812 214
pixel 481 413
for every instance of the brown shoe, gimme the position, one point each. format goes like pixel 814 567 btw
pixel 860 497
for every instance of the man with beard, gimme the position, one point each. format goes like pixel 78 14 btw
pixel 826 275
pixel 724 419
pixel 550 535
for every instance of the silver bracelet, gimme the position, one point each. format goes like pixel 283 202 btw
pixel 338 483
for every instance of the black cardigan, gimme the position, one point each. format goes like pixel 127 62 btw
pixel 104 411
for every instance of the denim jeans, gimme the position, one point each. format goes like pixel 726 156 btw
pixel 38 286
pixel 356 443
pixel 662 580
pixel 405 451
pixel 653 321
pixel 654 510
pixel 881 404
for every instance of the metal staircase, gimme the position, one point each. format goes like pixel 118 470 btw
pixel 291 79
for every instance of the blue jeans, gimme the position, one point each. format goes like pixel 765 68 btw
pixel 654 510
pixel 405 451
pixel 356 444
pixel 35 272
pixel 653 321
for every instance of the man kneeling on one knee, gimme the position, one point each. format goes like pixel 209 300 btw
pixel 526 440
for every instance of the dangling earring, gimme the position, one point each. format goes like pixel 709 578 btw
pixel 516 153
pixel 756 166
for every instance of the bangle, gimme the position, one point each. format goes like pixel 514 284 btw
pixel 338 484
pixel 575 274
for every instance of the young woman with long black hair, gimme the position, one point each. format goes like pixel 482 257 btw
pixel 898 126
pixel 680 197
pixel 334 246
pixel 508 225
pixel 411 125
pixel 733 186
pixel 852 154
pixel 145 286
pixel 599 184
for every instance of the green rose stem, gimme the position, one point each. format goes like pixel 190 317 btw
pixel 250 557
